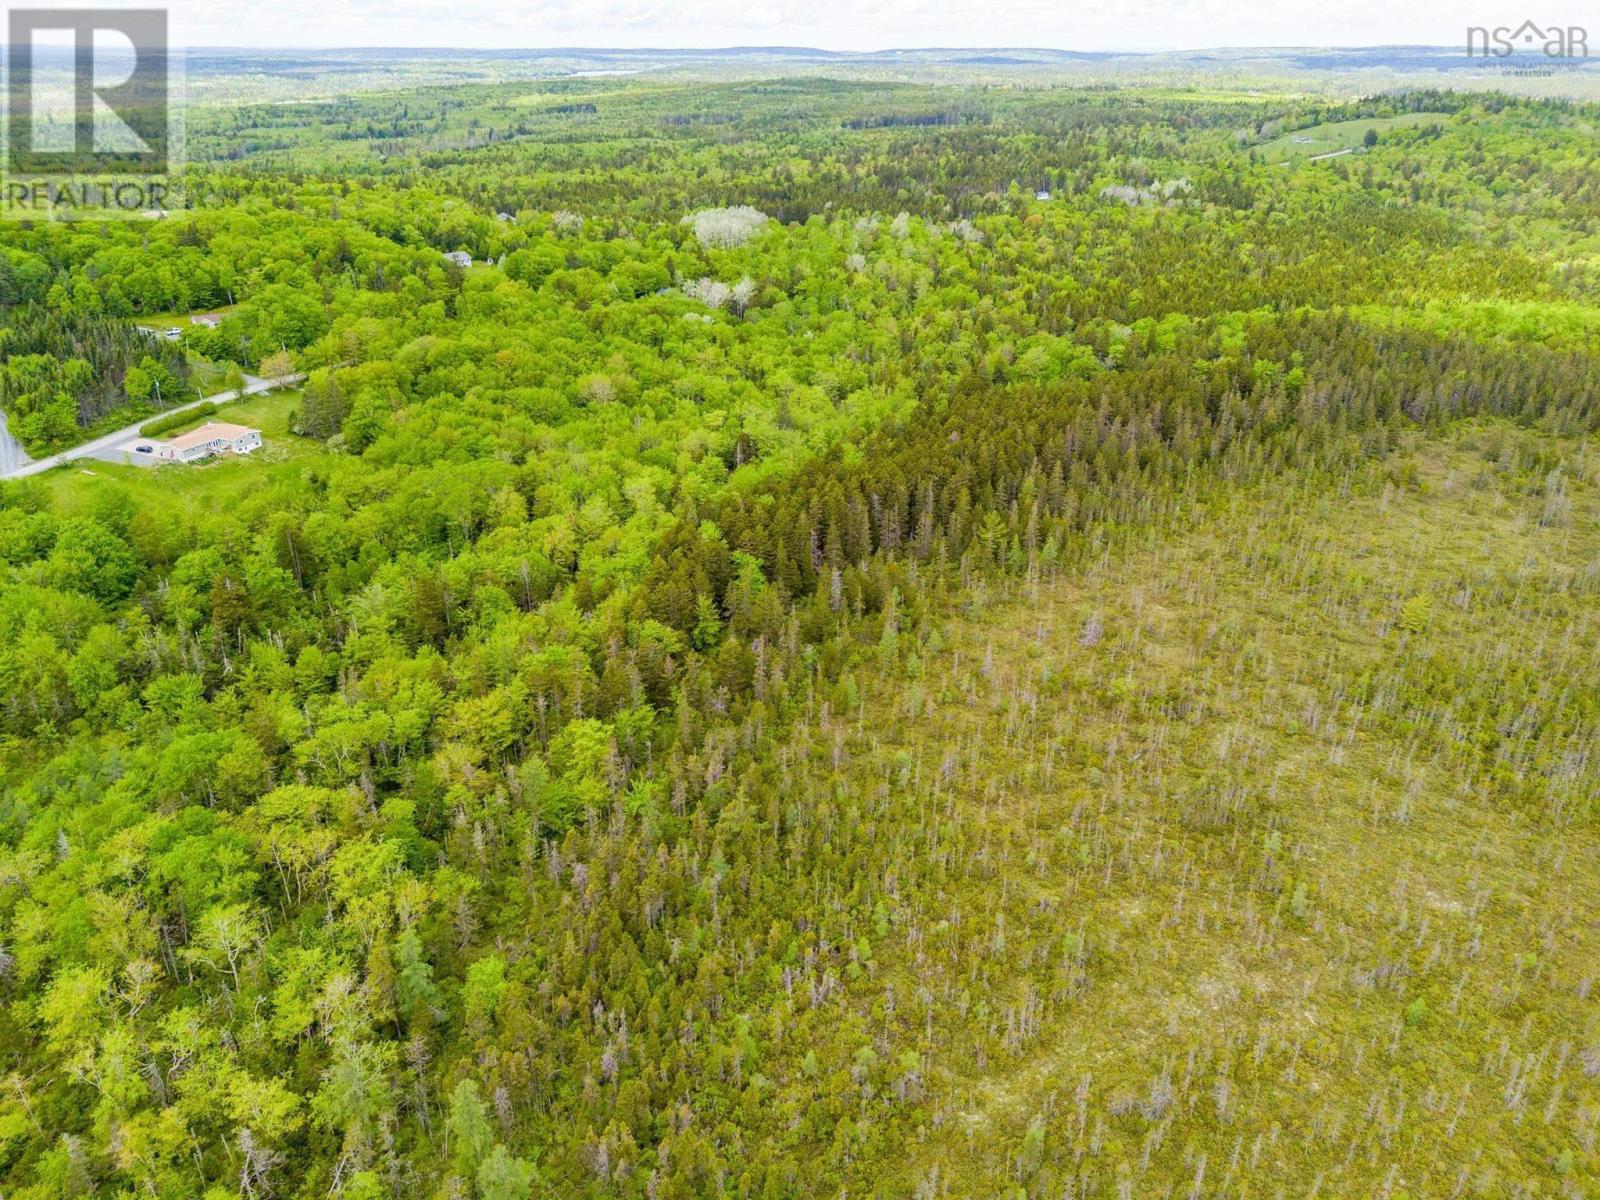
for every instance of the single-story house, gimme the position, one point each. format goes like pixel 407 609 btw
pixel 209 320
pixel 1042 194
pixel 460 257
pixel 212 438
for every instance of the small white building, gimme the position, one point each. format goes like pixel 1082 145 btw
pixel 460 257
pixel 1042 194
pixel 211 439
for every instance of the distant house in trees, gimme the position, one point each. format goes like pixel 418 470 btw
pixel 504 216
pixel 460 257
pixel 209 320
pixel 208 441
pixel 1042 194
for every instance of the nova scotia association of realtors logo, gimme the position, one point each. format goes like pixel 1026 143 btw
pixel 1529 38
pixel 89 113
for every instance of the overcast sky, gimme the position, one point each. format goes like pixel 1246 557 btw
pixel 858 25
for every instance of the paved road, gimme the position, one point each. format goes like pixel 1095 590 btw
pixel 111 441
pixel 12 456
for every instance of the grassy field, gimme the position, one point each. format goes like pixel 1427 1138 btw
pixel 209 485
pixel 1339 135
pixel 1265 855
pixel 165 320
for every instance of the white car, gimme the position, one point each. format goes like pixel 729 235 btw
pixel 173 333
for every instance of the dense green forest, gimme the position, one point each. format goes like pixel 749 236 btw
pixel 64 370
pixel 879 640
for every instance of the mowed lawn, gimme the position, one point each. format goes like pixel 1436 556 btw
pixel 183 320
pixel 1339 135
pixel 209 485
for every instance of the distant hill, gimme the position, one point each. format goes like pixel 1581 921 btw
pixel 1338 71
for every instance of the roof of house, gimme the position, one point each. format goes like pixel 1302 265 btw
pixel 211 431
